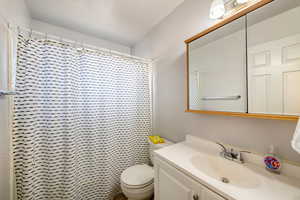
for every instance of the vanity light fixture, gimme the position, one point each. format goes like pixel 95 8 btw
pixel 241 1
pixel 217 9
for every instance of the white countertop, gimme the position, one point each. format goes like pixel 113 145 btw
pixel 271 186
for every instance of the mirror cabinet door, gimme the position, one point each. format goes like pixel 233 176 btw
pixel 217 69
pixel 273 43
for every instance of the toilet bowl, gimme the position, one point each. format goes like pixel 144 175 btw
pixel 137 182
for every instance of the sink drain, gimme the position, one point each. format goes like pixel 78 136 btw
pixel 225 180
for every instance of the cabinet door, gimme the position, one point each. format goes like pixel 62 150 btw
pixel 209 195
pixel 172 188
pixel 217 69
pixel 171 184
pixel 273 43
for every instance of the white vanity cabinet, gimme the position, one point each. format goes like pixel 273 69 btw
pixel 194 170
pixel 172 184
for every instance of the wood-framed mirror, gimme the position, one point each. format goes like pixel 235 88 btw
pixel 248 64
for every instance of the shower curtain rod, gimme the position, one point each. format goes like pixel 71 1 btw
pixel 81 43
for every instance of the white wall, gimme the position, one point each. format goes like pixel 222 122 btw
pixel 15 12
pixel 76 36
pixel 165 43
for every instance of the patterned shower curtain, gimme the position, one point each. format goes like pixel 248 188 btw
pixel 80 118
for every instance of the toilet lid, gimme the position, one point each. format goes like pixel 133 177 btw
pixel 137 175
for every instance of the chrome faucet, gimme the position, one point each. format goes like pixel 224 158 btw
pixel 232 155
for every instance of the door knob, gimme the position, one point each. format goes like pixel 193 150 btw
pixel 195 197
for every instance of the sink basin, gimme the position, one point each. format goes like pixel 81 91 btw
pixel 226 171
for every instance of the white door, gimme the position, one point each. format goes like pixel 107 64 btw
pixel 274 63
pixel 274 77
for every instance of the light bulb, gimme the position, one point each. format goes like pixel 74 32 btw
pixel 217 9
pixel 241 1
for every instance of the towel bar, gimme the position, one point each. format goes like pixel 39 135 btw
pixel 222 98
pixel 3 93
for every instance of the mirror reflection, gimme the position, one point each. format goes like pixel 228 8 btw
pixel 274 59
pixel 250 65
pixel 217 69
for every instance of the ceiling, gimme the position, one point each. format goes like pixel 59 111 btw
pixel 123 21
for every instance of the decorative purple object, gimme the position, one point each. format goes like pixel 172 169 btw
pixel 272 163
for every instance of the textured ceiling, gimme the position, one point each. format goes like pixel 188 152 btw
pixel 122 21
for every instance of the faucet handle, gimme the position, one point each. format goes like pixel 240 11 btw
pixel 223 147
pixel 235 154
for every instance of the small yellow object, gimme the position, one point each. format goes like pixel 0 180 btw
pixel 156 139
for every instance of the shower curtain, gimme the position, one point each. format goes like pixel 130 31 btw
pixel 80 118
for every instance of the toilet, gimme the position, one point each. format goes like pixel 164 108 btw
pixel 137 182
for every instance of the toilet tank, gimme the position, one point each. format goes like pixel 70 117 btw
pixel 153 147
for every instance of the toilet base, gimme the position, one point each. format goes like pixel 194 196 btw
pixel 145 193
